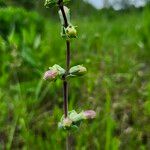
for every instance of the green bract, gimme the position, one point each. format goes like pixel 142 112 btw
pixel 78 70
pixel 60 70
pixel 75 117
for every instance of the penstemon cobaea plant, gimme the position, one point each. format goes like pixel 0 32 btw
pixel 70 119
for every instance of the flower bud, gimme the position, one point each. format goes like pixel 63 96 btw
pixel 67 122
pixel 54 72
pixel 60 70
pixel 71 32
pixel 51 75
pixel 78 70
pixel 75 117
pixel 89 114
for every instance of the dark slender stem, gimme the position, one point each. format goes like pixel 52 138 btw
pixel 68 56
pixel 61 7
pixel 65 88
pixel 67 142
pixel 65 83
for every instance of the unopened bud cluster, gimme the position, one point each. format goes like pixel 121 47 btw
pixel 74 119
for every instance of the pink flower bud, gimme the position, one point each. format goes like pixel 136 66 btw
pixel 67 122
pixel 50 75
pixel 89 114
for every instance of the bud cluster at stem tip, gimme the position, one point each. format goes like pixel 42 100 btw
pixel 70 31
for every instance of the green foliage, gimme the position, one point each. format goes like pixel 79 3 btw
pixel 21 33
pixel 16 18
pixel 25 3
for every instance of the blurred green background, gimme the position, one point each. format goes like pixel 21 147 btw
pixel 113 45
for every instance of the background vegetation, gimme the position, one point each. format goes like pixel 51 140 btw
pixel 114 45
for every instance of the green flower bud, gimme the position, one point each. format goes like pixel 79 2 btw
pixel 60 70
pixel 75 117
pixel 71 32
pixel 78 70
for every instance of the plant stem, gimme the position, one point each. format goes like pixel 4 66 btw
pixel 68 56
pixel 65 87
pixel 65 82
pixel 67 142
pixel 61 7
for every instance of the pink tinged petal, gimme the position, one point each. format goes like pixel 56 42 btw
pixel 89 114
pixel 67 122
pixel 50 75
